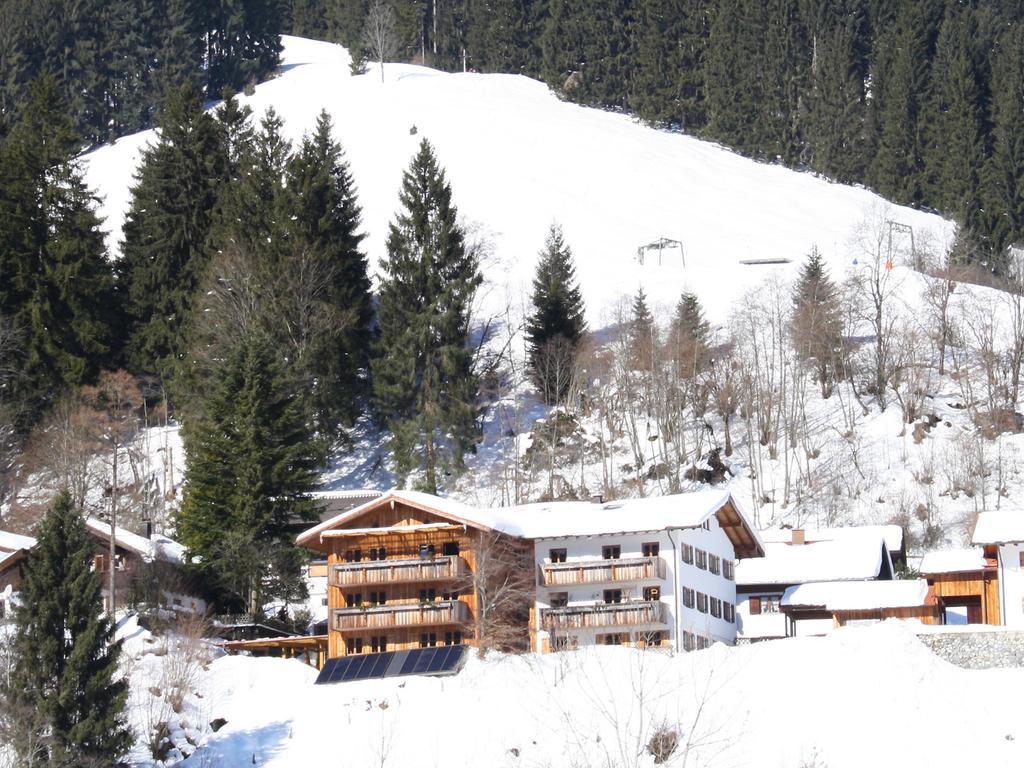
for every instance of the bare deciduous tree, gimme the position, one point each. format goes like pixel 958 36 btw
pixel 503 583
pixel 380 35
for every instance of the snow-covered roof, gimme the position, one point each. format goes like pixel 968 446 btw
pixel 852 558
pixel 9 558
pixel 352 493
pixel 155 548
pixel 892 534
pixel 11 542
pixel 999 527
pixel 858 595
pixel 953 560
pixel 563 518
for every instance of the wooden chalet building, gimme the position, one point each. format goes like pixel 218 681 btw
pixel 14 552
pixel 965 583
pixel 1001 535
pixel 817 608
pixel 402 572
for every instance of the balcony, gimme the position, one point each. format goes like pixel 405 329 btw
pixel 411 570
pixel 604 615
pixel 400 615
pixel 602 571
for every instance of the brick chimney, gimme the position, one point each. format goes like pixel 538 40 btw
pixel 798 536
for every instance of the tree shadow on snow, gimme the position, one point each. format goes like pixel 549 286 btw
pixel 235 749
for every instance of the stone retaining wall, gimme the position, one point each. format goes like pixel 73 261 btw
pixel 978 650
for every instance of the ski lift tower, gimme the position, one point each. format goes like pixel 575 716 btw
pixel 660 245
pixel 902 229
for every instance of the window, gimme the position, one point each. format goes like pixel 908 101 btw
pixel 687 554
pixel 426 551
pixel 450 548
pixel 651 639
pixel 557 555
pixel 613 596
pixel 558 599
pixel 688 597
pixel 702 642
pixel 450 594
pixel 1022 558
pixel 378 644
pixel 99 563
pixel 730 612
pixel 706 525
pixel 651 549
pixel 379 553
pixel 428 640
pixel 323 601
pixel 702 559
pixel 652 593
pixel 714 564
pixel 354 645
pixel 613 552
pixel 613 638
pixel 428 595
pixel 354 599
pixel 727 570
pixel 769 603
pixel 754 605
pixel 453 638
pixel 353 555
pixel 688 643
pixel 716 607
pixel 378 598
pixel 702 602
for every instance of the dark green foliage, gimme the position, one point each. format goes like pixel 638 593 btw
pixel 817 323
pixel 324 223
pixel 424 385
pixel 689 337
pixel 252 461
pixel 57 284
pixel 1004 173
pixel 556 325
pixel 165 231
pixel 641 333
pixel 504 35
pixel 64 650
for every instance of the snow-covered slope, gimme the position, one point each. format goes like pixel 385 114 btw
pixel 864 696
pixel 519 159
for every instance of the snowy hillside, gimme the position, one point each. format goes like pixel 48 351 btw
pixel 518 158
pixel 864 696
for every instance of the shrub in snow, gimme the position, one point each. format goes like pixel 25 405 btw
pixel 663 744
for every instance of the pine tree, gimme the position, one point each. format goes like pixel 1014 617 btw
pixel 165 231
pixel 424 384
pixel 65 653
pixel 252 461
pixel 324 220
pixel 641 333
pixel 817 325
pixel 689 337
pixel 557 323
pixel 58 284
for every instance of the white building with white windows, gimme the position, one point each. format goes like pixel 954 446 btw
pixel 655 571
pixel 1003 530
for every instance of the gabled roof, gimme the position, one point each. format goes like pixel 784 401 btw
pixel 851 558
pixel 953 561
pixel 857 595
pixel 892 534
pixel 12 542
pixel 156 548
pixel 1004 526
pixel 566 519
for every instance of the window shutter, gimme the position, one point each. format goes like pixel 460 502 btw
pixel 755 606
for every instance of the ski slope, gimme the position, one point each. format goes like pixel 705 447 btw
pixel 519 159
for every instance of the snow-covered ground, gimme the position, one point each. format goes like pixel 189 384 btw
pixel 519 159
pixel 863 696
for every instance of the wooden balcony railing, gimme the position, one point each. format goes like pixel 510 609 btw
pixel 602 571
pixel 410 570
pixel 400 615
pixel 601 615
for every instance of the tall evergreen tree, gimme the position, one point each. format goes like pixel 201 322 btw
pixel 817 324
pixel 557 324
pixel 325 220
pixel 641 332
pixel 166 229
pixel 689 337
pixel 424 383
pixel 252 461
pixel 58 284
pixel 64 649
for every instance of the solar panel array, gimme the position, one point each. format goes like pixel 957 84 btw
pixel 443 660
